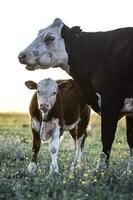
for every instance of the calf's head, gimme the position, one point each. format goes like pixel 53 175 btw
pixel 47 50
pixel 46 93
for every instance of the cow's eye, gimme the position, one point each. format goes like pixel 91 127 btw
pixel 49 38
pixel 54 93
pixel 38 92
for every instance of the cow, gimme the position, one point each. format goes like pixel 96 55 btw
pixel 57 106
pixel 101 63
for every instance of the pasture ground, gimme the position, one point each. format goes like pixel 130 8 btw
pixel 15 154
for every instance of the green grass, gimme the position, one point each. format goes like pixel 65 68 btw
pixel 15 154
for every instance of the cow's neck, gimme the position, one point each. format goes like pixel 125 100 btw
pixel 86 85
pixel 80 67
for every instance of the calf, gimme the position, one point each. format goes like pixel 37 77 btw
pixel 56 107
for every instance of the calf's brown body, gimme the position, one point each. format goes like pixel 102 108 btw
pixel 70 107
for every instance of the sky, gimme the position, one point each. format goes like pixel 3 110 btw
pixel 20 21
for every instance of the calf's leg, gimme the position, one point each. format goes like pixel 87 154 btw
pixel 54 146
pixel 82 130
pixel 35 149
pixel 79 134
pixel 79 144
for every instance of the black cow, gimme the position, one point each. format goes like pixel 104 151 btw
pixel 102 64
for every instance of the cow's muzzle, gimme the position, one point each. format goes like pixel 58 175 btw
pixel 22 57
pixel 26 58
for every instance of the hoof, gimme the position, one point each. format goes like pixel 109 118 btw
pixel 99 170
pixel 53 174
pixel 54 169
pixel 129 169
pixel 32 167
pixel 130 164
pixel 96 173
pixel 75 165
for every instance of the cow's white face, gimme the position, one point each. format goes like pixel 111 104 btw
pixel 47 50
pixel 46 93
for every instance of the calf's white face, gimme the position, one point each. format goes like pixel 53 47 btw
pixel 47 50
pixel 46 93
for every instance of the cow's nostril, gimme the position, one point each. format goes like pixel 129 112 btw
pixel 35 53
pixel 22 57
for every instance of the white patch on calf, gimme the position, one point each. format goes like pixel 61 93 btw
pixel 78 148
pixel 51 129
pixel 47 129
pixel 35 124
pixel 54 146
pixel 70 127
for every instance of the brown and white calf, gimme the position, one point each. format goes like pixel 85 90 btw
pixel 55 107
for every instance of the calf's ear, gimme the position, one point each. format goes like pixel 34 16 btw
pixel 31 85
pixel 65 85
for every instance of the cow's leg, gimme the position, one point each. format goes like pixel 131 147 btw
pixel 35 149
pixel 54 146
pixel 129 132
pixel 110 109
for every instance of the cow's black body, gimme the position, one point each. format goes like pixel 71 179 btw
pixel 102 63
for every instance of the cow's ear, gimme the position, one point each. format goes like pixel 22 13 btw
pixel 71 33
pixel 57 21
pixel 31 85
pixel 75 32
pixel 65 85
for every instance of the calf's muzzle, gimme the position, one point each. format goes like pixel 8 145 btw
pixel 44 107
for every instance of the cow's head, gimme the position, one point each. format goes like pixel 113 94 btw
pixel 47 50
pixel 50 47
pixel 46 93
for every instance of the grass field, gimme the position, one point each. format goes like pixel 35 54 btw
pixel 15 154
